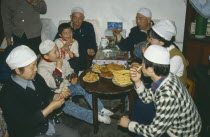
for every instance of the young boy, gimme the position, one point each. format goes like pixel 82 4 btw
pixel 67 46
pixel 59 76
pixel 176 113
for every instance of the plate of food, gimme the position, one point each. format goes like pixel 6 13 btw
pixel 96 68
pixel 91 77
pixel 107 75
pixel 121 83
pixel 122 78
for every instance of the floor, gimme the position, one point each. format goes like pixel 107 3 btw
pixel 86 129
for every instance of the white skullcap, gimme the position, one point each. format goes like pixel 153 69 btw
pixel 20 56
pixel 157 54
pixel 46 46
pixel 77 9
pixel 146 12
pixel 165 28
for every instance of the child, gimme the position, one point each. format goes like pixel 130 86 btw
pixel 67 46
pixel 59 76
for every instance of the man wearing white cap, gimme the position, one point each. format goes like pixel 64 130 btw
pixel 26 100
pixel 137 33
pixel 162 34
pixel 84 33
pixel 176 113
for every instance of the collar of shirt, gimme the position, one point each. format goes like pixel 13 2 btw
pixel 23 82
pixel 76 30
pixel 47 60
pixel 155 85
pixel 170 47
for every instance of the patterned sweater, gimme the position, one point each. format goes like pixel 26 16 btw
pixel 56 79
pixel 176 112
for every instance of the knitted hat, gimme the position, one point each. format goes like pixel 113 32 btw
pixel 146 12
pixel 77 9
pixel 165 28
pixel 20 56
pixel 157 54
pixel 46 46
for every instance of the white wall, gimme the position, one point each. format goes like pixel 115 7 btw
pixel 120 10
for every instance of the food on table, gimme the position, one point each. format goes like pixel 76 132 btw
pixel 122 77
pixel 115 67
pixel 107 74
pixel 104 70
pixel 91 77
pixel 96 68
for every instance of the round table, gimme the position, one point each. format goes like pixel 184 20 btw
pixel 105 86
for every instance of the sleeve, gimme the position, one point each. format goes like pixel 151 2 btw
pixel 146 95
pixel 40 6
pixel 68 70
pixel 166 112
pixel 6 18
pixel 19 115
pixel 133 38
pixel 176 65
pixel 75 49
pixel 49 76
pixel 92 38
pixel 59 43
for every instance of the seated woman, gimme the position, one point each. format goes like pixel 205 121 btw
pixel 26 100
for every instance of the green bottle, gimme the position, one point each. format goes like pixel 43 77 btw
pixel 201 25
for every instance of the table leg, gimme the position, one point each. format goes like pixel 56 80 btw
pixel 131 101
pixel 95 112
pixel 122 104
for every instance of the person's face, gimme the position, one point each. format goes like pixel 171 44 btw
pixel 66 34
pixel 53 55
pixel 146 71
pixel 142 21
pixel 29 71
pixel 77 19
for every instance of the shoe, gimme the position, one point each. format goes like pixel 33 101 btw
pixel 106 112
pixel 104 119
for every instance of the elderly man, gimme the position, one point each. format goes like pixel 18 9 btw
pixel 21 20
pixel 84 33
pixel 137 33
pixel 176 113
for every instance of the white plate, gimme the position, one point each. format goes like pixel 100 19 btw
pixel 89 81
pixel 120 85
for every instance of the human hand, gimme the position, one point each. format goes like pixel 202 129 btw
pixel 124 121
pixel 116 32
pixel 74 81
pixel 56 103
pixel 9 41
pixel 135 74
pixel 66 46
pixel 64 94
pixel 91 52
pixel 59 63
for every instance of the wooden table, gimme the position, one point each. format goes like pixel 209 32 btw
pixel 106 87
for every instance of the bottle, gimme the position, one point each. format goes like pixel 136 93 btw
pixel 201 26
